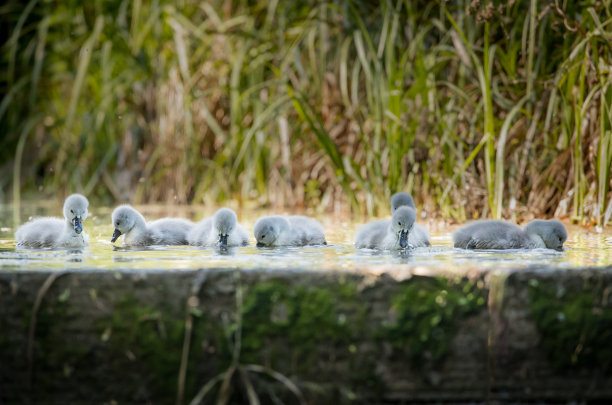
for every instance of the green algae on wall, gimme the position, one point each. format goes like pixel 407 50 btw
pixel 574 321
pixel 296 329
pixel 291 329
pixel 340 339
pixel 428 311
pixel 301 316
pixel 55 359
pixel 148 341
pixel 150 336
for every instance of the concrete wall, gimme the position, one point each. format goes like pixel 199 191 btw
pixel 371 336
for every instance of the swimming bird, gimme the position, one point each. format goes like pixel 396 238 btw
pixel 138 232
pixel 397 233
pixel 493 234
pixel 288 231
pixel 420 236
pixel 222 229
pixel 401 199
pixel 56 232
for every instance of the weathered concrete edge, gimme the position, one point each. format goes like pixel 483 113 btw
pixel 503 383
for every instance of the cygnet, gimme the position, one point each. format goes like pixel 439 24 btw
pixel 288 231
pixel 397 233
pixel 56 232
pixel 138 232
pixel 420 236
pixel 222 230
pixel 493 234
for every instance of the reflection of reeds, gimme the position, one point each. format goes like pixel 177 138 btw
pixel 474 108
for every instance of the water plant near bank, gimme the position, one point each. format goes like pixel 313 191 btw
pixel 478 108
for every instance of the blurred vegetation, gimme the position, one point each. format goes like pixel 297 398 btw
pixel 478 108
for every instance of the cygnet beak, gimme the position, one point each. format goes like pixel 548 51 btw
pixel 259 244
pixel 116 234
pixel 403 239
pixel 78 227
pixel 222 240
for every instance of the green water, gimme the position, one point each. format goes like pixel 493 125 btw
pixel 583 248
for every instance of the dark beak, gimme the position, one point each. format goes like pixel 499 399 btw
pixel 222 240
pixel 78 227
pixel 259 244
pixel 116 234
pixel 403 239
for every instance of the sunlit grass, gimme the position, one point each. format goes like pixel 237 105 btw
pixel 495 110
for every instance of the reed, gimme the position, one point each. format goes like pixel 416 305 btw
pixel 477 108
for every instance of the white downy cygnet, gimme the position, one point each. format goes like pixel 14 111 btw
pixel 56 232
pixel 222 230
pixel 138 232
pixel 288 231
pixel 401 199
pixel 419 235
pixel 392 234
pixel 497 235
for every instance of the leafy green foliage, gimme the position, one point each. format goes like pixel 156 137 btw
pixel 473 108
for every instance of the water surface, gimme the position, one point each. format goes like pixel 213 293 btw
pixel 584 247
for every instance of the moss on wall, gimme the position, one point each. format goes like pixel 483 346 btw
pixel 303 317
pixel 312 331
pixel 57 355
pixel 340 339
pixel 575 322
pixel 428 311
pixel 148 341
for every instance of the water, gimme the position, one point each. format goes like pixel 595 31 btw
pixel 584 247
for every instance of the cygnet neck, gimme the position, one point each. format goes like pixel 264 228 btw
pixel 536 240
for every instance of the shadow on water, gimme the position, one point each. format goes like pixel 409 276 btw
pixel 403 254
pixel 121 248
pixel 395 256
pixel 75 255
pixel 225 251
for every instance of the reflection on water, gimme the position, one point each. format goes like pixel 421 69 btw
pixel 583 248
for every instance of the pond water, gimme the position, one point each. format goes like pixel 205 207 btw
pixel 584 247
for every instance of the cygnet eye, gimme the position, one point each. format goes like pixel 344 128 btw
pixel 71 211
pixel 263 236
pixel 399 223
pixel 117 223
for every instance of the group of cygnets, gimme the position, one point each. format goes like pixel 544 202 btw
pixel 223 230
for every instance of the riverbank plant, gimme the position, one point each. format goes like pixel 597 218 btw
pixel 478 108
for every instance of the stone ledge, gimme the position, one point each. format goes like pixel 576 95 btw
pixel 384 335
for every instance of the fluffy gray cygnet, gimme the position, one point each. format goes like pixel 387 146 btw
pixel 397 233
pixel 419 235
pixel 402 199
pixel 222 229
pixel 138 232
pixel 56 232
pixel 493 234
pixel 288 231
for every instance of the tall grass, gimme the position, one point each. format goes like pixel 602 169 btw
pixel 478 109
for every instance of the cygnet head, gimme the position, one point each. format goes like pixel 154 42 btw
pixel 401 199
pixel 75 211
pixel 552 232
pixel 266 231
pixel 124 219
pixel 224 222
pixel 402 222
